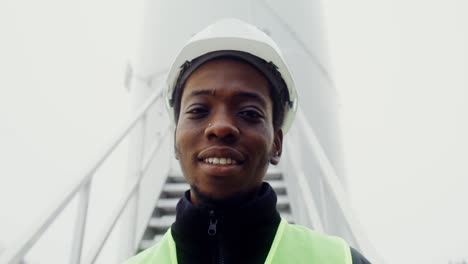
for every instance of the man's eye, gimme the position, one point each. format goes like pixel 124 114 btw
pixel 251 114
pixel 196 111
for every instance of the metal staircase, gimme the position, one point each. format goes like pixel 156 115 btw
pixel 164 213
pixel 309 193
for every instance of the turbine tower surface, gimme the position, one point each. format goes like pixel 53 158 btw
pixel 312 166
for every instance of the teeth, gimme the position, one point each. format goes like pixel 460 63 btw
pixel 220 161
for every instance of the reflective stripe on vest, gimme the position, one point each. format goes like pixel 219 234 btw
pixel 292 244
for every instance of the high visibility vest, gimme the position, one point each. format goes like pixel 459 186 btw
pixel 292 244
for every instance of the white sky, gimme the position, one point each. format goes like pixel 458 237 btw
pixel 62 97
pixel 400 66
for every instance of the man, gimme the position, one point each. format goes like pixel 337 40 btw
pixel 232 101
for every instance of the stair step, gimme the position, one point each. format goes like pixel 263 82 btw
pixel 177 170
pixel 175 176
pixel 158 237
pixel 168 205
pixel 161 223
pixel 283 202
pixel 177 189
pixel 164 213
pixel 288 217
pixel 147 243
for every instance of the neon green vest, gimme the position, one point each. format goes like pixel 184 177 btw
pixel 292 244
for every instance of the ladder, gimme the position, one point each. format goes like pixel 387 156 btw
pixel 164 212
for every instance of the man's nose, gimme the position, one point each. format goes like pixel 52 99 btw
pixel 222 127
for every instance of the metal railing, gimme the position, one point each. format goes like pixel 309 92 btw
pixel 331 182
pixel 81 188
pixel 15 253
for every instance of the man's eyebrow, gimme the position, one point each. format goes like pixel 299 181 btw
pixel 252 95
pixel 202 92
pixel 242 94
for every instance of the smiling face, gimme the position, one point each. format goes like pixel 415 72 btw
pixel 224 137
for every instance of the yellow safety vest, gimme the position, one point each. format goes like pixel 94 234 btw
pixel 292 244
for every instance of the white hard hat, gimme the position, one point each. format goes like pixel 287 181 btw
pixel 234 35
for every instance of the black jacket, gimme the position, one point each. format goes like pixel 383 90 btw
pixel 228 233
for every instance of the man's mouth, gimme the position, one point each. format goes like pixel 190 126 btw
pixel 220 161
pixel 221 156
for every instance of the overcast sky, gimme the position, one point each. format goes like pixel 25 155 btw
pixel 62 98
pixel 400 66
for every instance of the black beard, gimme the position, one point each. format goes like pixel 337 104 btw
pixel 232 201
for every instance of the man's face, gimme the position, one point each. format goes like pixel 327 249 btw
pixel 224 137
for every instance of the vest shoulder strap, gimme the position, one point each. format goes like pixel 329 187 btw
pixel 298 244
pixel 163 252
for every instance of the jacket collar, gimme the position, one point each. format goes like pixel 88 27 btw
pixel 232 218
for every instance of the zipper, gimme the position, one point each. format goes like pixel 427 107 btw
pixel 212 232
pixel 213 222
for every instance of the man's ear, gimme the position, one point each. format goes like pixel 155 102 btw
pixel 176 151
pixel 277 147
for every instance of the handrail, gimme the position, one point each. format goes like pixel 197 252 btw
pixel 310 206
pixel 80 224
pixel 15 253
pixel 97 247
pixel 331 180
